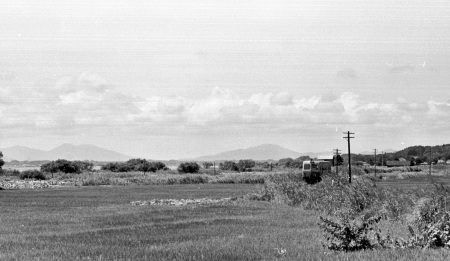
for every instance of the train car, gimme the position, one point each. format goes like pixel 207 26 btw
pixel 314 170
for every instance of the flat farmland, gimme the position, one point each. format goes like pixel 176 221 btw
pixel 100 223
pixel 416 182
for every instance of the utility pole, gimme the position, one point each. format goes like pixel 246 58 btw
pixel 214 168
pixel 375 162
pixel 337 154
pixel 430 161
pixel 348 133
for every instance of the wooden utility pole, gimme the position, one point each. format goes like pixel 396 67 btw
pixel 336 162
pixel 430 161
pixel 375 162
pixel 348 133
pixel 214 168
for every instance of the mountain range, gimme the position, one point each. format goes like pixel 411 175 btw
pixel 92 152
pixel 261 152
pixel 65 151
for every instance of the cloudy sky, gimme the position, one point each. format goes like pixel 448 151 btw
pixel 176 79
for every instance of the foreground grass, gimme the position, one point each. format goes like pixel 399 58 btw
pixel 99 223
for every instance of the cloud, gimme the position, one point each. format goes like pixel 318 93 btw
pixel 89 80
pixel 89 103
pixel 350 103
pixel 439 109
pixel 69 103
pixel 282 98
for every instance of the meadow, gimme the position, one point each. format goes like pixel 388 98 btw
pixel 94 222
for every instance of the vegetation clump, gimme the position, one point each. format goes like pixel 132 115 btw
pixel 188 167
pixel 134 165
pixel 32 174
pixel 350 213
pixel 9 172
pixel 2 162
pixel 66 166
pixel 229 165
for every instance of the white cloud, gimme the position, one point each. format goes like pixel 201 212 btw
pixel 88 101
pixel 282 98
pixel 350 102
pixel 92 81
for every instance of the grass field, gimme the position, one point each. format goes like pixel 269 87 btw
pixel 99 223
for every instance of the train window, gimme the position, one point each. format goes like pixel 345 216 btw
pixel 306 166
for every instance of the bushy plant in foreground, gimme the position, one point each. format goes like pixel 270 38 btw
pixel 434 234
pixel 349 235
pixel 32 174
pixel 353 235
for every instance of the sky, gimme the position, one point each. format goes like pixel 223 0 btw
pixel 180 79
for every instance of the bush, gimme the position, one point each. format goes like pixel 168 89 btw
pixel 9 172
pixel 207 165
pixel 62 165
pixel 246 165
pixel 346 235
pixel 2 162
pixel 188 167
pixel 134 164
pixel 32 174
pixel 229 165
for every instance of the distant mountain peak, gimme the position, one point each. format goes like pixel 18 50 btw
pixel 64 151
pixel 259 152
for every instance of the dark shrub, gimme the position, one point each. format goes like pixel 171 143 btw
pixel 158 165
pixel 229 165
pixel 118 167
pixel 62 165
pixel 246 165
pixel 188 167
pixel 84 165
pixel 207 165
pixel 32 174
pixel 134 164
pixel 9 172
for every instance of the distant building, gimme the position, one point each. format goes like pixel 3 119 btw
pixel 326 158
pixel 397 163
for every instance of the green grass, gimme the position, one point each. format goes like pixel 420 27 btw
pixel 99 223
